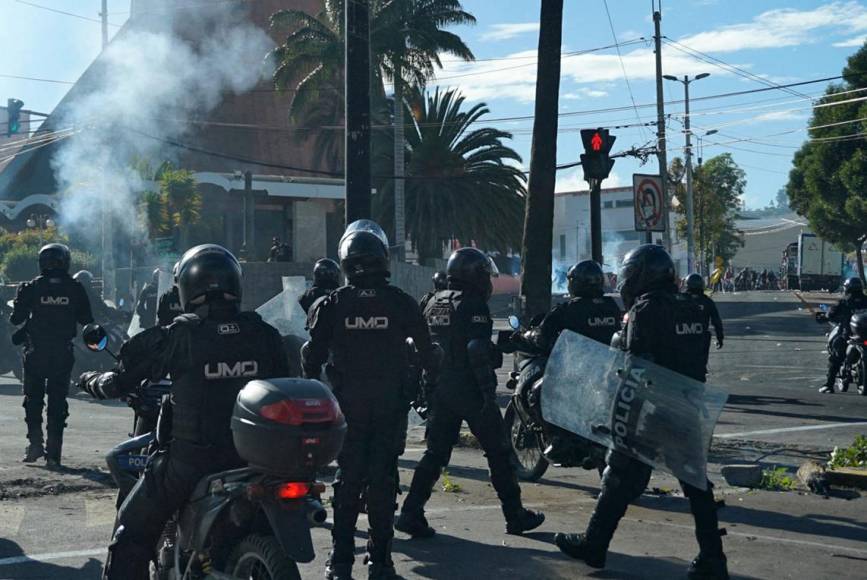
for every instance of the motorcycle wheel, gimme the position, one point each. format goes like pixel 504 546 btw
pixel 261 558
pixel 530 463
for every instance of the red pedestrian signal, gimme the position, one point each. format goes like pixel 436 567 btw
pixel 596 142
pixel 597 147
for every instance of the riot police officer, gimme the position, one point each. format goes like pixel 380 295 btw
pixel 589 312
pixel 146 307
pixel 326 279
pixel 362 329
pixel 213 335
pixel 169 306
pixel 460 322
pixel 49 306
pixel 667 328
pixel 100 310
pixel 694 285
pixel 840 313
pixel 439 281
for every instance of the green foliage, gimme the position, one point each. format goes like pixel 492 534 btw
pixel 777 479
pixel 460 184
pixel 852 456
pixel 717 189
pixel 407 38
pixel 448 485
pixel 177 206
pixel 19 253
pixel 828 184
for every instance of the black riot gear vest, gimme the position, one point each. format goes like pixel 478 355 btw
pixel 210 362
pixel 369 320
pixel 671 330
pixel 455 318
pixel 55 304
pixel 596 318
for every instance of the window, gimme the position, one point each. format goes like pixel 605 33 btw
pixel 625 203
pixel 608 204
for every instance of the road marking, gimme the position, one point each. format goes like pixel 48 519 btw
pixel 51 556
pixel 790 429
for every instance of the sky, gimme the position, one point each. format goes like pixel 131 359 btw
pixel 744 45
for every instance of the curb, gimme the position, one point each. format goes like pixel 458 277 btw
pixel 848 477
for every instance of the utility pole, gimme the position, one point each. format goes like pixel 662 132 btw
pixel 660 128
pixel 104 16
pixel 596 220
pixel 357 71
pixel 399 169
pixel 690 214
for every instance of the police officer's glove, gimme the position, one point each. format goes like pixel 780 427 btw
pixel 719 343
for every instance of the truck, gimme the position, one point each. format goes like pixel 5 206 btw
pixel 811 263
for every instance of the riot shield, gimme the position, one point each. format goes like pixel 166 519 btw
pixel 283 311
pixel 631 405
pixel 134 325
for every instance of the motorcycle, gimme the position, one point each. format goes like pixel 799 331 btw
pixel 253 522
pixel 535 443
pixel 854 367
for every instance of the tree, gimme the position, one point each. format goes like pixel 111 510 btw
pixel 176 207
pixel 459 182
pixel 406 41
pixel 717 189
pixel 539 216
pixel 827 184
pixel 782 199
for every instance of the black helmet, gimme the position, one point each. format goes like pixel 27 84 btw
pixel 440 280
pixel 326 274
pixel 470 269
pixel 363 253
pixel 368 226
pixel 694 283
pixel 175 271
pixel 853 286
pixel 647 267
pixel 54 257
pixel 208 272
pixel 586 279
pixel 84 278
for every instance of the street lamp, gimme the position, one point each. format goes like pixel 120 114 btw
pixel 690 234
pixel 40 222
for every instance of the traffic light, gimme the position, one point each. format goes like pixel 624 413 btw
pixel 13 108
pixel 595 160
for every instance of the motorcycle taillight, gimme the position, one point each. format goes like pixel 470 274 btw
pixel 298 489
pixel 297 412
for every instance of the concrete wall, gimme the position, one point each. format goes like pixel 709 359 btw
pixel 310 240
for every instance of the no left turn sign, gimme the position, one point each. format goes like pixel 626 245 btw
pixel 649 203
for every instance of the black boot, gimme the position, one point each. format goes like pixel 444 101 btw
pixel 522 520
pixel 381 571
pixel 53 449
pixel 414 524
pixel 33 452
pixel 578 546
pixel 708 568
pixel 338 571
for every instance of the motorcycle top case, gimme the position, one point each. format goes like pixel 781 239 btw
pixel 287 427
pixel 628 404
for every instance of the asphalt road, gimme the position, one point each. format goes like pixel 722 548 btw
pixel 56 525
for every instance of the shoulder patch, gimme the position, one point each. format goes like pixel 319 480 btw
pixel 480 319
pixel 228 328
pixel 367 293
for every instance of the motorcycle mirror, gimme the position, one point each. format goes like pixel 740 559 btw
pixel 514 323
pixel 95 338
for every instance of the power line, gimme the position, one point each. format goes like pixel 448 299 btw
pixel 622 65
pixel 72 14
pixel 37 79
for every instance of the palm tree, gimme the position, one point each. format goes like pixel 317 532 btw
pixel 406 40
pixel 459 182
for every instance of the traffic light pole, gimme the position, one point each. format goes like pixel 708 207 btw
pixel 596 220
pixel 357 153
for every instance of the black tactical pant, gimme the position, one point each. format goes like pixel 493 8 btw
pixel 444 425
pixel 46 371
pixel 169 480
pixel 624 481
pixel 375 437
pixel 836 356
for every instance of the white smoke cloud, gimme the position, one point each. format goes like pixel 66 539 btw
pixel 155 76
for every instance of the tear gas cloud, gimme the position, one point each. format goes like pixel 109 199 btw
pixel 162 70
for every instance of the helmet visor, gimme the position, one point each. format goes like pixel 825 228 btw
pixel 369 226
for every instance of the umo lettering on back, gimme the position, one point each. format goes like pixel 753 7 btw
pixel 607 321
pixel 623 407
pixel 222 370
pixel 54 300
pixel 689 328
pixel 372 323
